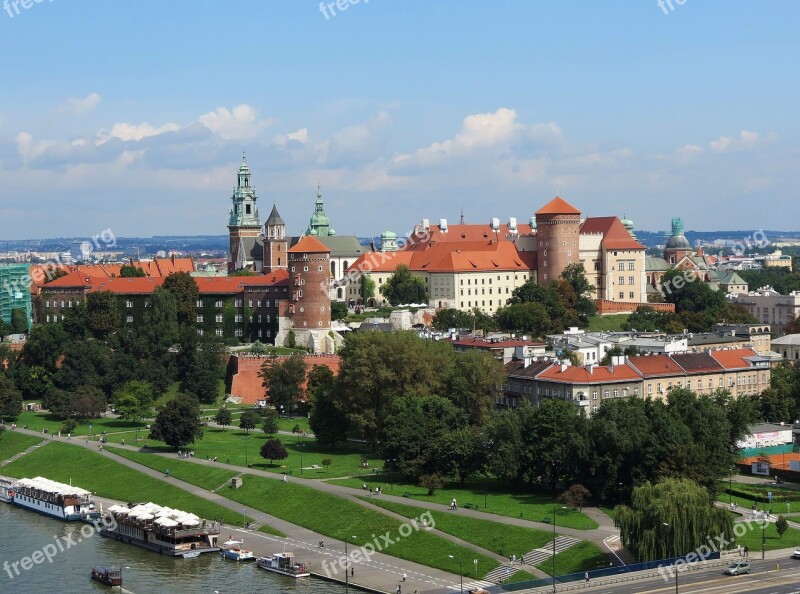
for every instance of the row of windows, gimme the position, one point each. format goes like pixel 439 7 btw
pixel 483 291
pixel 631 295
pixel 483 280
pixel 630 263
pixel 239 333
pixel 305 269
pixel 631 280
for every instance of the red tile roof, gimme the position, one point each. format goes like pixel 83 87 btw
pixel 615 235
pixel 460 233
pixel 733 358
pixel 697 362
pixel 127 286
pixel 581 375
pixel 487 344
pixel 309 245
pixel 558 206
pixel 655 365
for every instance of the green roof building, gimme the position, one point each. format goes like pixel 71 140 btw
pixel 15 291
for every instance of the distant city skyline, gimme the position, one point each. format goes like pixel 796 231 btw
pixel 134 116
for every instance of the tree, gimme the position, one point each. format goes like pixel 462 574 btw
pixel 34 382
pixel 403 287
pixel 326 462
pixel 273 449
pixel 472 384
pixel 283 380
pixel 503 445
pixel 131 271
pixel 575 277
pixel 575 496
pixel 270 425
pixel 647 319
pixel 134 400
pixel 87 402
pixel 45 345
pixel 525 318
pixel 5 329
pixel 10 399
pixel 19 321
pixel 160 330
pixel 366 289
pixel 328 419
pixel 85 363
pixel 223 417
pixel 103 316
pixel 781 525
pixel 445 319
pixel 338 310
pixel 184 288
pixel 669 519
pixel 249 420
pixel 431 482
pixel 178 422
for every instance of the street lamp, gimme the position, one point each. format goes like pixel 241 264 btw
pixel 300 448
pixel 346 562
pixel 676 566
pixel 460 573
pixel 246 440
pixel 554 546
pixel 619 493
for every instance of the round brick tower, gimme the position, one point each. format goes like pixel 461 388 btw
pixel 309 284
pixel 557 239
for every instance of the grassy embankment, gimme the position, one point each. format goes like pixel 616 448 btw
pixel 105 478
pixel 529 506
pixel 12 443
pixel 329 515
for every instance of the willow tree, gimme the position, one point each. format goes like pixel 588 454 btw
pixel 671 519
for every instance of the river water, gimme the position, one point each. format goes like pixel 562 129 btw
pixel 22 533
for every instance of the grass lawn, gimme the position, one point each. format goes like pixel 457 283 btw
pixel 613 323
pixel 175 389
pixel 38 420
pixel 530 506
pixel 584 556
pixel 105 478
pixel 745 505
pixel 520 576
pixel 339 518
pixel 12 443
pixel 499 538
pixel 235 446
pixel 196 474
pixel 752 538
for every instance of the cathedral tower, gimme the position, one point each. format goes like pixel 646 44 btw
pixel 244 222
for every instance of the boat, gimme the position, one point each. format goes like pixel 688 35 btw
pixel 53 499
pixel 284 564
pixel 107 576
pixel 161 529
pixel 191 555
pixel 6 489
pixel 233 550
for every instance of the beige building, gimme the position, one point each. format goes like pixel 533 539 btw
pixel 770 307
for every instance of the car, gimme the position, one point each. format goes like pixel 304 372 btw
pixel 796 553
pixel 737 568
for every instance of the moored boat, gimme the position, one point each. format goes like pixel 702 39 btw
pixel 161 529
pixel 57 500
pixel 284 564
pixel 232 549
pixel 6 489
pixel 107 576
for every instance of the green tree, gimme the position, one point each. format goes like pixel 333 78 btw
pixel 270 424
pixel 178 422
pixel 583 304
pixel 184 288
pixel 366 290
pixel 19 321
pixel 45 345
pixel 87 402
pixel 338 310
pixel 223 417
pixel 10 399
pixel 5 329
pixel 431 482
pixel 472 384
pixel 503 445
pixel 249 420
pixel 84 363
pixel 444 319
pixel 131 271
pixel 527 318
pixel 161 323
pixel 283 380
pixel 328 420
pixel 647 319
pixel 134 401
pixel 403 287
pixel 273 449
pixel 103 316
pixel 34 382
pixel 781 526
pixel 670 519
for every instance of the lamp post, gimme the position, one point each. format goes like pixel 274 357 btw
pixel 460 573
pixel 554 546
pixel 676 566
pixel 346 563
pixel 763 538
pixel 619 493
pixel 246 439
pixel 300 447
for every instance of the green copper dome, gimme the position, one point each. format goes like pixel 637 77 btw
pixel 388 235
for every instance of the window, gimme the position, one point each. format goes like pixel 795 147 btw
pixel 219 304
pixel 631 280
pixel 636 391
pixel 594 395
pixel 129 304
pixel 218 318
pixel 200 319
pixel 649 389
pixel 305 268
pixel 218 331
pixel 621 280
pixel 622 294
pixel 620 265
pixel 630 295
pixel 605 393
pixel 616 393
pixel 631 265
pixel 239 318
pixel 250 303
pixel 129 319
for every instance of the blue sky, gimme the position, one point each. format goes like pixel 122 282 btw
pixel 134 115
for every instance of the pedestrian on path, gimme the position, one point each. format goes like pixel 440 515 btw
pixel 586 576
pixel 747 551
pixel 404 576
pixel 352 571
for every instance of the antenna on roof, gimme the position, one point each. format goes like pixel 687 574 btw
pixel 462 215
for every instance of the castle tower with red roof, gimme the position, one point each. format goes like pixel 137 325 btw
pixel 558 236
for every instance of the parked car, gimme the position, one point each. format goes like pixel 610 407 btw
pixel 737 568
pixel 796 553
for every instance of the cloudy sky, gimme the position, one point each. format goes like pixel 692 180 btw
pixel 133 115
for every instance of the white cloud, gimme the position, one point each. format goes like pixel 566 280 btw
pixel 688 150
pixel 240 123
pixel 81 106
pixel 29 149
pixel 746 140
pixel 135 132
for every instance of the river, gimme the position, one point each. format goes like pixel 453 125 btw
pixel 22 533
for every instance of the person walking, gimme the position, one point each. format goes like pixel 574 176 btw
pixel 352 571
pixel 586 576
pixel 747 551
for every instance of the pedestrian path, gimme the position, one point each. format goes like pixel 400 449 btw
pixel 536 556
pixel 19 455
pixel 500 574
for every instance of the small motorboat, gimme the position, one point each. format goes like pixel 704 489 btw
pixel 107 576
pixel 191 555
pixel 284 564
pixel 233 549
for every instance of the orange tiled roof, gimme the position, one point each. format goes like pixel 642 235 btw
pixel 615 235
pixel 655 365
pixel 600 374
pixel 215 285
pixel 310 245
pixel 128 286
pixel 461 233
pixel 733 358
pixel 558 206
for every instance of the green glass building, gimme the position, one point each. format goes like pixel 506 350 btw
pixel 15 291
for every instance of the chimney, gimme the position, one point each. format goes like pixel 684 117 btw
pixel 564 366
pixel 443 225
pixel 589 367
